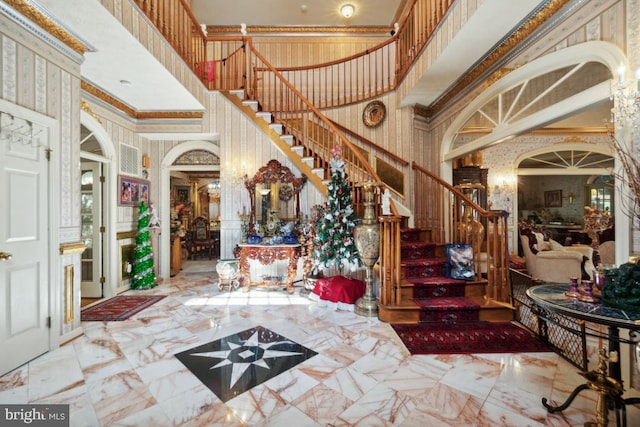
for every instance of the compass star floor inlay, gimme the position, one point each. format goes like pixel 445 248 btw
pixel 234 364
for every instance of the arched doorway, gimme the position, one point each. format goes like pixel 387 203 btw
pixel 99 260
pixel 531 105
pixel 554 188
pixel 169 168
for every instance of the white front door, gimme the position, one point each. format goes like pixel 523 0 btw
pixel 91 218
pixel 24 244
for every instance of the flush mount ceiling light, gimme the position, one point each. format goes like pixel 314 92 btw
pixel 347 10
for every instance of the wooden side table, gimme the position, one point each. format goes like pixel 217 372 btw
pixel 267 255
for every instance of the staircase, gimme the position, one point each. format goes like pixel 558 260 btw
pixel 428 295
pixel 424 293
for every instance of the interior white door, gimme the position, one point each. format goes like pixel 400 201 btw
pixel 24 244
pixel 91 217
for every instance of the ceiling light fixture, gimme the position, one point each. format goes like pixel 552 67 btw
pixel 347 10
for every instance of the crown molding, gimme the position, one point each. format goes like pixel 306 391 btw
pixel 105 97
pixel 495 56
pixel 39 18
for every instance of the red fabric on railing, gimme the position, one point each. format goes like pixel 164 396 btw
pixel 208 68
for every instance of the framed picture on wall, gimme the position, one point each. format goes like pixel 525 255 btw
pixel 133 191
pixel 553 199
pixel 183 195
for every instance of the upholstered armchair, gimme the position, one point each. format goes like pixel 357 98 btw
pixel 607 246
pixel 549 261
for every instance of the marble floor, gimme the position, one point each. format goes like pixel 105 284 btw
pixel 355 371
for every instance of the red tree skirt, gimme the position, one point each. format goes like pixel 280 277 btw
pixel 339 289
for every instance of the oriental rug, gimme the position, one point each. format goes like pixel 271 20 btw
pixel 120 307
pixel 468 338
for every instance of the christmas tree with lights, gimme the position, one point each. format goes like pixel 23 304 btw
pixel 143 275
pixel 333 241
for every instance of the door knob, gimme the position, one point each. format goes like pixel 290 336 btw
pixel 5 256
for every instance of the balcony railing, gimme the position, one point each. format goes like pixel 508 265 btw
pixel 220 62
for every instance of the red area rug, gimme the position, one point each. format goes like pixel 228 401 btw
pixel 119 308
pixel 468 338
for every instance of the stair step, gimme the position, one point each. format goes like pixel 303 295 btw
pixel 425 267
pixel 438 287
pixel 264 115
pixel 289 139
pixel 417 250
pixel 308 161
pixel 252 104
pixel 448 310
pixel 277 127
pixel 408 312
pixel 319 172
pixel 410 235
pixel 298 149
pixel 237 92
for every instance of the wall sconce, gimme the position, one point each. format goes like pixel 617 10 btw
pixel 504 183
pixel 234 176
pixel 146 161
pixel 626 96
pixel 571 198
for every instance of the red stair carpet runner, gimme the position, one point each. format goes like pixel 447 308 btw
pixel 119 307
pixel 449 321
pixel 440 298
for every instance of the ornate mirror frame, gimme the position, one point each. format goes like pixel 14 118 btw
pixel 281 181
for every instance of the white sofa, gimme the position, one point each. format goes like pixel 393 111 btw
pixel 549 261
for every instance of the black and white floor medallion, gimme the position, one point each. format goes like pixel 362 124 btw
pixel 232 365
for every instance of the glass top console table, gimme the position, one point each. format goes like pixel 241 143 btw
pixel 552 298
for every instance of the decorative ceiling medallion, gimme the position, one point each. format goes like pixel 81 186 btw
pixel 374 113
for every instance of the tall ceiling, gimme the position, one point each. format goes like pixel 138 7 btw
pixel 296 13
pixel 119 65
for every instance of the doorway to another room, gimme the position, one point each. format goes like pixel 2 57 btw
pixel 194 203
pixel 94 213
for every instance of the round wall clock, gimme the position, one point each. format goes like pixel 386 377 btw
pixel 374 113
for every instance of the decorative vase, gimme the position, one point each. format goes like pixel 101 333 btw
pixel 469 229
pixel 254 239
pixel 367 239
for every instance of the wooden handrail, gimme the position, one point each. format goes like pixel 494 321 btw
pixel 338 61
pixel 370 143
pixel 308 106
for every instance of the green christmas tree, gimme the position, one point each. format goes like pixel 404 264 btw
pixel 333 242
pixel 143 275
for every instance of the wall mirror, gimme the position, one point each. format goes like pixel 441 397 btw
pixel 274 194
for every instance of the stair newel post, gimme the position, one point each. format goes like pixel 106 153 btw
pixel 367 239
